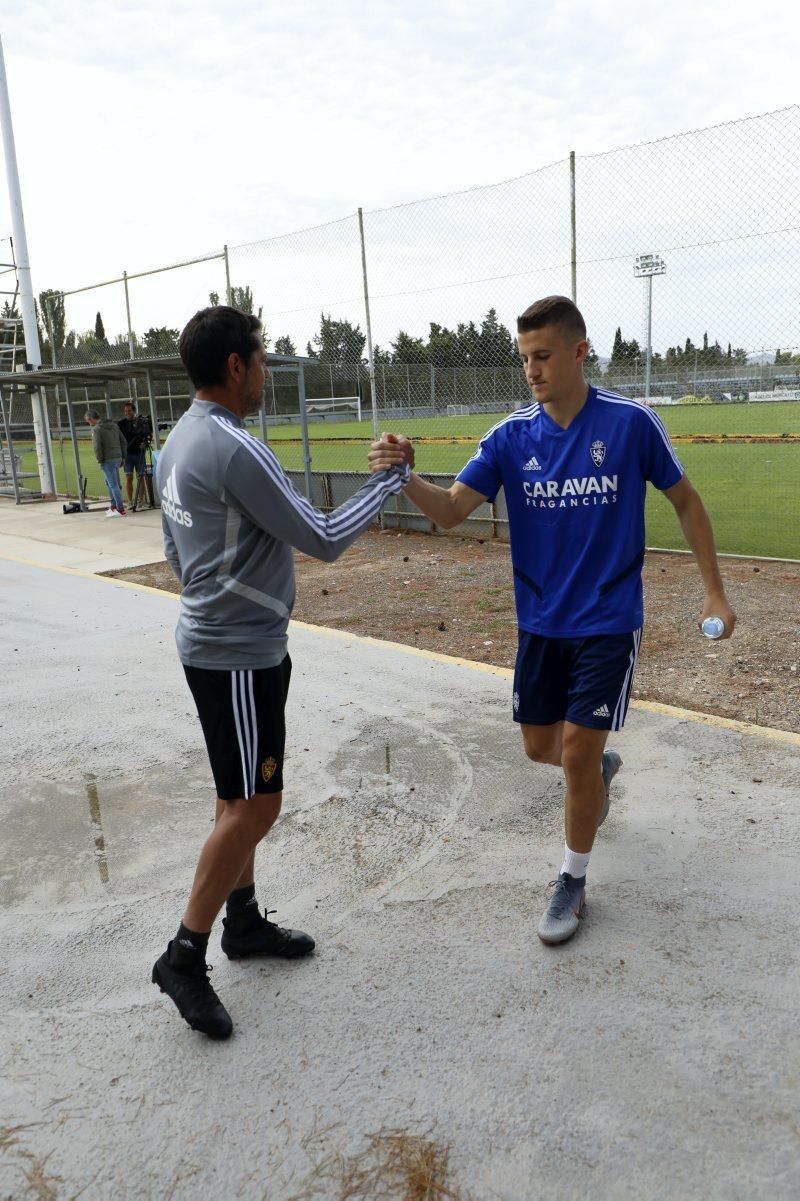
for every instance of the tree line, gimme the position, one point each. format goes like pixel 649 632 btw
pixel 486 344
pixel 628 357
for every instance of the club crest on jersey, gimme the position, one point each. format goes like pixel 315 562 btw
pixel 268 769
pixel 598 452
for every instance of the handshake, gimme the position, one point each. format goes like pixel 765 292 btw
pixel 393 450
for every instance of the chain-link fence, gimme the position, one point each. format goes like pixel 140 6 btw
pixel 712 332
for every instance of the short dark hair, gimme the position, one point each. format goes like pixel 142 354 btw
pixel 210 337
pixel 129 404
pixel 553 310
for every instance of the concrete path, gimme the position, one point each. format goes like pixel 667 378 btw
pixel 85 541
pixel 655 1056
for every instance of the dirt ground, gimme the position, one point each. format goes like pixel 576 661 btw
pixel 455 595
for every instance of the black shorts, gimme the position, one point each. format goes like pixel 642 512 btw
pixel 587 681
pixel 242 715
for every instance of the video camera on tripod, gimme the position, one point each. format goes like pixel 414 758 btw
pixel 146 495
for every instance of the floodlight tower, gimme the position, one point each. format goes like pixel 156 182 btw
pixel 645 267
pixel 33 354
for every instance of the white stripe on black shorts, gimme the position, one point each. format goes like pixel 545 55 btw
pixel 242 715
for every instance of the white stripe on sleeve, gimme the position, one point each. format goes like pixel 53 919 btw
pixel 332 528
pixel 612 398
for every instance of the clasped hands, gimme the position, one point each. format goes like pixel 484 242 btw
pixel 393 450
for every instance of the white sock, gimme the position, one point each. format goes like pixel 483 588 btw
pixel 575 863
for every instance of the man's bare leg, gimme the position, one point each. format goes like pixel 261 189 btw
pixel 228 856
pixel 543 743
pixel 248 871
pixel 578 750
pixel 581 759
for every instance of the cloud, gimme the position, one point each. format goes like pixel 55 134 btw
pixel 148 134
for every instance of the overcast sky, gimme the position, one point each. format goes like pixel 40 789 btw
pixel 148 132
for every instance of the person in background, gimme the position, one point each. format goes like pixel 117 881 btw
pixel 137 431
pixel 109 447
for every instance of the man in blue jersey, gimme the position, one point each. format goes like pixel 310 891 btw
pixel 574 465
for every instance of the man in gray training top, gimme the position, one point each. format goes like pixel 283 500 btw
pixel 230 518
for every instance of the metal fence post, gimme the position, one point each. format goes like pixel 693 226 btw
pixel 262 413
pixel 153 409
pixel 649 351
pixel 133 390
pixel 33 355
pixel 48 314
pixel 573 228
pixel 370 356
pixel 48 320
pixel 301 392
pixel 128 312
pixel 75 451
pixel 227 275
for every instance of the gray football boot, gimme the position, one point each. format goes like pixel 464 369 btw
pixel 565 908
pixel 612 762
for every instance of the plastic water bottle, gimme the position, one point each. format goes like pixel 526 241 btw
pixel 713 627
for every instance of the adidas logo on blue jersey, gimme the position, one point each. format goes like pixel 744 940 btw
pixel 532 464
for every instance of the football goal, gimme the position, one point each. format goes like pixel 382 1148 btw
pixel 327 406
pixel 458 410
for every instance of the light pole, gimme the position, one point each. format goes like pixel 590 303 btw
pixel 645 267
pixel 33 354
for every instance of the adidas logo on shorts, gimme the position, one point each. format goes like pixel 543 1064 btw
pixel 532 464
pixel 602 711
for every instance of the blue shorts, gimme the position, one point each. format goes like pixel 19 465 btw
pixel 586 681
pixel 134 462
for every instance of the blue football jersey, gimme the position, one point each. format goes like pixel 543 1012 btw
pixel 575 500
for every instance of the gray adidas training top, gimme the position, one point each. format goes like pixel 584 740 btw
pixel 230 518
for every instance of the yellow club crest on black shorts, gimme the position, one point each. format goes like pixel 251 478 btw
pixel 268 769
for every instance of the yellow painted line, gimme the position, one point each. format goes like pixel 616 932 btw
pixel 490 668
pixel 88 575
pixel 706 719
pixel 722 723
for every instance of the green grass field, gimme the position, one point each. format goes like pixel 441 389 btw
pixel 690 419
pixel 751 490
